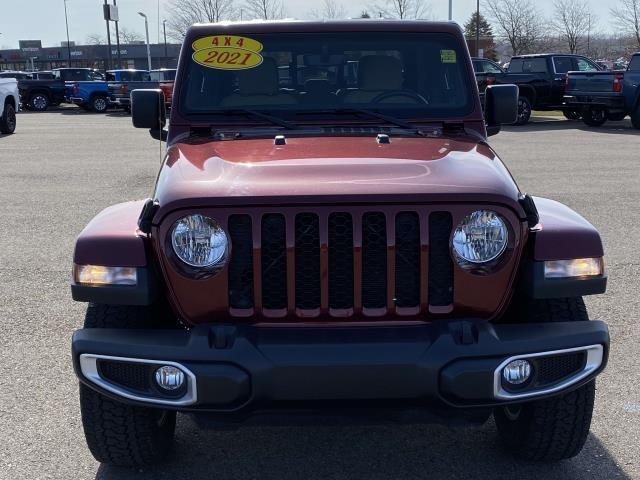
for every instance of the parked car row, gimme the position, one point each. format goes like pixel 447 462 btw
pixel 88 88
pixel 573 84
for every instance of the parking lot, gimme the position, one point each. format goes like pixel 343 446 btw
pixel 64 166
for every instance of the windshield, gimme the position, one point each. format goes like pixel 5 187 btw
pixel 129 76
pixel 410 75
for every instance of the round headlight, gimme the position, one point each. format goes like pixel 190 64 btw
pixel 480 237
pixel 199 241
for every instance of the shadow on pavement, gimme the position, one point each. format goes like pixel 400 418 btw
pixel 388 452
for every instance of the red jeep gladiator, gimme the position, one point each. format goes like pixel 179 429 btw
pixel 331 234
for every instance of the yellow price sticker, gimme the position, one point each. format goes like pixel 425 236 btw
pixel 448 56
pixel 227 58
pixel 227 41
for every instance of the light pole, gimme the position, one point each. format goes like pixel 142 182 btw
pixel 146 26
pixel 450 10
pixel 166 55
pixel 478 28
pixel 66 21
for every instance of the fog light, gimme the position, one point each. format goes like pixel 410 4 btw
pixel 517 372
pixel 169 378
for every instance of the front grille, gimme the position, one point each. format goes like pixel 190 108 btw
pixel 340 263
pixel 135 376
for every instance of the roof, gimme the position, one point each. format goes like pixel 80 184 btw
pixel 300 26
pixel 537 55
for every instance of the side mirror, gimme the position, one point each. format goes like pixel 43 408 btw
pixel 148 110
pixel 500 106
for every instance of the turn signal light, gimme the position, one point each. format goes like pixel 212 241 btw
pixel 577 267
pixel 100 275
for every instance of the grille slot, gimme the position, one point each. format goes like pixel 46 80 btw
pixel 340 260
pixel 307 261
pixel 407 259
pixel 374 260
pixel 440 263
pixel 135 376
pixel 274 262
pixel 241 265
pixel 558 367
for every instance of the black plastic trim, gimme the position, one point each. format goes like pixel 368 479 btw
pixel 535 285
pixel 144 292
pixel 449 363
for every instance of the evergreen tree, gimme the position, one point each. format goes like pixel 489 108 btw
pixel 486 35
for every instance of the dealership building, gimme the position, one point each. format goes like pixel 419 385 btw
pixel 32 56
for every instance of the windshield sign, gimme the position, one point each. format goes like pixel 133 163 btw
pixel 410 75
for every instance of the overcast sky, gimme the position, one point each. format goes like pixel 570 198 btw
pixel 44 19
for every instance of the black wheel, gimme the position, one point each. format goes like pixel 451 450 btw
pixel 8 119
pixel 555 428
pixel 594 117
pixel 39 102
pixel 635 117
pixel 118 433
pixel 99 104
pixel 616 117
pixel 524 111
pixel 572 114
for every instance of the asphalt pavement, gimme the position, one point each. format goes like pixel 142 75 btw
pixel 63 167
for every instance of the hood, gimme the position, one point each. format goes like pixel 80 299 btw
pixel 202 172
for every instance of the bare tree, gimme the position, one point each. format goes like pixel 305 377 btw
pixel 519 23
pixel 265 9
pixel 572 21
pixel 129 36
pixel 184 13
pixel 627 16
pixel 331 10
pixel 95 39
pixel 403 9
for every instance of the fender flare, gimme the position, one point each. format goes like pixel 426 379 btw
pixel 561 234
pixel 112 239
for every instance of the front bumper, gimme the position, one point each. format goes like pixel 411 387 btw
pixel 231 368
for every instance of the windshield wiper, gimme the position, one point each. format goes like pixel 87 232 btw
pixel 270 118
pixel 387 118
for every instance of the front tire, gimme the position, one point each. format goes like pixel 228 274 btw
pixel 8 119
pixel 548 430
pixel 39 102
pixel 555 428
pixel 99 104
pixel 118 433
pixel 594 117
pixel 524 111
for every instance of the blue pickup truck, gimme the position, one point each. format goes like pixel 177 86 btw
pixel 84 87
pixel 606 95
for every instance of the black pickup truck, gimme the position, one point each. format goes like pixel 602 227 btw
pixel 38 95
pixel 607 95
pixel 485 71
pixel 541 79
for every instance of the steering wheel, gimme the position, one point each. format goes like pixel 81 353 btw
pixel 400 93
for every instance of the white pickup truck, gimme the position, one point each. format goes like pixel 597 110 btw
pixel 9 101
